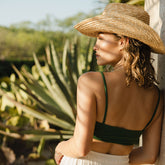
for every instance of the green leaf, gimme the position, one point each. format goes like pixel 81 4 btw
pixel 50 162
pixel 36 135
pixel 41 146
pixel 56 64
pixel 64 90
pixel 46 98
pixel 41 115
pixel 65 51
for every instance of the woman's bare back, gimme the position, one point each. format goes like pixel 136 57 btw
pixel 128 107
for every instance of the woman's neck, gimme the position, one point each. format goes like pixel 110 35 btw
pixel 118 67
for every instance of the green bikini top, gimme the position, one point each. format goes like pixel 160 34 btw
pixel 115 134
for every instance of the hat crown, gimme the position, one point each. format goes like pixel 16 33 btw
pixel 123 19
pixel 127 10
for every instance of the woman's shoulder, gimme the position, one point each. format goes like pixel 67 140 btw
pixel 90 79
pixel 154 90
pixel 90 76
pixel 157 95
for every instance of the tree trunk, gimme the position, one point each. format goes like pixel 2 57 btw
pixel 156 10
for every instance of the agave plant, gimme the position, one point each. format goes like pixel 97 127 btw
pixel 51 90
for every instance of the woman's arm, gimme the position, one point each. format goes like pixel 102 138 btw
pixel 148 153
pixel 80 144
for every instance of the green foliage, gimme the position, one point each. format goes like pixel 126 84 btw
pixel 50 162
pixel 20 121
pixel 41 146
pixel 47 93
pixel 20 43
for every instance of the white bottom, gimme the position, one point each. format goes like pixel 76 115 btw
pixel 96 158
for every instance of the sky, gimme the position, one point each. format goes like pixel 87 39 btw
pixel 15 11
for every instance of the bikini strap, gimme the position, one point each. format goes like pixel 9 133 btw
pixel 106 96
pixel 154 110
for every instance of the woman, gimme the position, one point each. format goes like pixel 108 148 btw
pixel 115 108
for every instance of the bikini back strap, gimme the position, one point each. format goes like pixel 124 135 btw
pixel 106 96
pixel 154 110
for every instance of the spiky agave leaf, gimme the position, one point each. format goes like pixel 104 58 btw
pixel 36 135
pixel 40 114
pixel 69 70
pixel 69 89
pixel 60 101
pixel 58 68
pixel 75 53
pixel 43 97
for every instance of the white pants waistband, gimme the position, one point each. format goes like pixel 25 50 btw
pixel 96 158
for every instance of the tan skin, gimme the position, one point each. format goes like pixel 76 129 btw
pixel 133 116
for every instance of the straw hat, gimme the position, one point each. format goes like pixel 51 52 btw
pixel 123 19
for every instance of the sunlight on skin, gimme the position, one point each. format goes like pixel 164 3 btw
pixel 109 50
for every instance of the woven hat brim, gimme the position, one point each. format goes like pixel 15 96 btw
pixel 119 24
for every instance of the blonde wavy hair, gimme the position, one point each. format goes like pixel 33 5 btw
pixel 138 63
